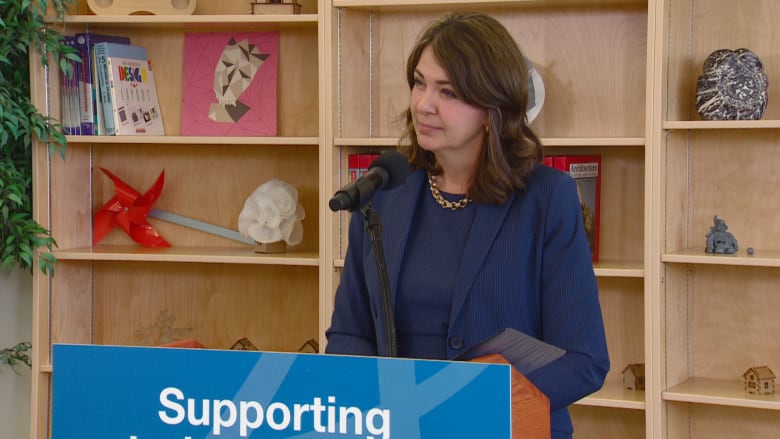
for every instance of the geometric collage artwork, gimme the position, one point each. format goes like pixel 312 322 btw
pixel 229 84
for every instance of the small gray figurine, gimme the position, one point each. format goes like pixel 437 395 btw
pixel 719 240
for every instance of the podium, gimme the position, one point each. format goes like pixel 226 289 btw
pixel 529 407
pixel 151 392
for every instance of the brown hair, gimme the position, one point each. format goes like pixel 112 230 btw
pixel 488 70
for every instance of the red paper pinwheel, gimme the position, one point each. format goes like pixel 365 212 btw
pixel 129 209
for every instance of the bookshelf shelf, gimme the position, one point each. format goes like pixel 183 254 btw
pixel 617 269
pixel 720 392
pixel 179 21
pixel 614 395
pixel 193 140
pixel 365 141
pixel 761 258
pixel 547 142
pixel 722 125
pixel 379 5
pixel 208 255
pixel 594 141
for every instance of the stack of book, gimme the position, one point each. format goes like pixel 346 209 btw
pixel 111 91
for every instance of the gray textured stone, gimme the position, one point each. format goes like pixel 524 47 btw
pixel 733 86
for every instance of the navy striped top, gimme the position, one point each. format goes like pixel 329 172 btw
pixel 423 300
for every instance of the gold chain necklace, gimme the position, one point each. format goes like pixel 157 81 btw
pixel 463 202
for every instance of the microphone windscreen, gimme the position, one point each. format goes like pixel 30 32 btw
pixel 396 166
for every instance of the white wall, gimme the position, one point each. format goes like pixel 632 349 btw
pixel 15 327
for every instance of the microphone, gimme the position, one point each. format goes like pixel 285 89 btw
pixel 387 171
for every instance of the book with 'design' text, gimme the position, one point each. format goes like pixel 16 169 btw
pixel 127 90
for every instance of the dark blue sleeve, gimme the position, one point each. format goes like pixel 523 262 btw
pixel 571 313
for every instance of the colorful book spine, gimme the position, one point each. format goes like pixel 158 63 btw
pixel 64 96
pixel 358 165
pixel 87 91
pixel 101 65
pixel 127 90
pixel 586 171
pixel 75 92
pixel 69 104
pixel 97 112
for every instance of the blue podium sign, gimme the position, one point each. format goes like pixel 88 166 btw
pixel 113 392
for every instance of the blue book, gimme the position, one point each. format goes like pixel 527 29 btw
pixel 87 91
pixel 127 90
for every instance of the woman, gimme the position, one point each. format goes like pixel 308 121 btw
pixel 481 237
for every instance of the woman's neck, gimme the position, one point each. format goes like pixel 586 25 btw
pixel 456 177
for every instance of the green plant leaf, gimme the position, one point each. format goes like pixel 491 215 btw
pixel 15 198
pixel 16 355
pixel 23 28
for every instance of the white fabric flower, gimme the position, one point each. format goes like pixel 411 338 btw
pixel 272 213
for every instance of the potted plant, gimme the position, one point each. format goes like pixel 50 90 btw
pixel 23 28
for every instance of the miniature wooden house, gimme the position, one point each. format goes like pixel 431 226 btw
pixel 759 380
pixel 634 376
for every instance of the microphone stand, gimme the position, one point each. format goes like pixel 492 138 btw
pixel 374 229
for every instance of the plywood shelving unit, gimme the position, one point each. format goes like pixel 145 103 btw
pixel 715 313
pixel 204 287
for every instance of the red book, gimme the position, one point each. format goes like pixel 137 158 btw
pixel 358 165
pixel 586 171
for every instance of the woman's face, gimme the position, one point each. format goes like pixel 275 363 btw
pixel 445 125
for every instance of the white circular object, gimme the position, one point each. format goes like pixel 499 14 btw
pixel 535 92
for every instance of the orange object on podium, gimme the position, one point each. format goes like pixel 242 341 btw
pixel 186 343
pixel 530 407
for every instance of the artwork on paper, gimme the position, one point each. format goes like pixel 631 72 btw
pixel 229 84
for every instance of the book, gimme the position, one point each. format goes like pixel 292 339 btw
pixel 75 115
pixel 229 84
pixel 127 90
pixel 99 124
pixel 357 164
pixel 586 171
pixel 69 102
pixel 524 352
pixel 87 90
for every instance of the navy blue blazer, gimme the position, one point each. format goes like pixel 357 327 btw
pixel 526 265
